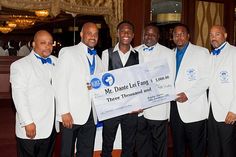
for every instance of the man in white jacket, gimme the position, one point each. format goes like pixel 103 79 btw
pixel 151 138
pixel 190 110
pixel 33 95
pixel 222 96
pixel 74 105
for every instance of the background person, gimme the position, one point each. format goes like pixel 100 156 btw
pixel 25 49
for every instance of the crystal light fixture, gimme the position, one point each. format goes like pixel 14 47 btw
pixel 11 24
pixel 24 22
pixel 5 29
pixel 41 13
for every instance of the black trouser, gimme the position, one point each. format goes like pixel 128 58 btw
pixel 221 138
pixel 143 146
pixel 36 148
pixel 128 124
pixel 85 136
pixel 193 134
pixel 158 130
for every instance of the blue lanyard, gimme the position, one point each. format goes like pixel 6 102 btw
pixel 92 65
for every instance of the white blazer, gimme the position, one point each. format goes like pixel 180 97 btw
pixel 160 112
pixel 72 76
pixel 193 79
pixel 33 95
pixel 222 91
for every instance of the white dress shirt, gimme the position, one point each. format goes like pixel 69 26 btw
pixel 123 56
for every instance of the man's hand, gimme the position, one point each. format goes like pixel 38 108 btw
pixel 30 130
pixel 230 118
pixel 137 111
pixel 89 86
pixel 181 97
pixel 67 120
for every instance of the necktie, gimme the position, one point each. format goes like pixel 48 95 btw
pixel 92 52
pixel 217 51
pixel 147 49
pixel 45 60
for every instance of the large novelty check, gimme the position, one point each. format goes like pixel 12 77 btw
pixel 124 90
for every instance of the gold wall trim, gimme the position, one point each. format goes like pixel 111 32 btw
pixel 168 17
pixel 207 14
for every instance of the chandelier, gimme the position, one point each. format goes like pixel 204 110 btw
pixel 41 13
pixel 5 29
pixel 23 22
pixel 11 24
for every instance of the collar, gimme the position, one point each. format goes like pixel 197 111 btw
pixel 145 46
pixel 43 60
pixel 116 48
pixel 35 53
pixel 85 47
pixel 183 49
pixel 149 48
pixel 221 46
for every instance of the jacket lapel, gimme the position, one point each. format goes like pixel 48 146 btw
pixel 84 59
pixel 184 61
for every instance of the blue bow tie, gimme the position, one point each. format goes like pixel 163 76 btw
pixel 45 60
pixel 148 48
pixel 217 51
pixel 92 52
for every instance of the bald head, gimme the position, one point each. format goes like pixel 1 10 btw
pixel 218 35
pixel 41 33
pixel 219 27
pixel 43 43
pixel 89 34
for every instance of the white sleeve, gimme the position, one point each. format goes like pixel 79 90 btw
pixel 61 80
pixel 19 81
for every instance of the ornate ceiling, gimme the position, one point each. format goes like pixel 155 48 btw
pixel 112 10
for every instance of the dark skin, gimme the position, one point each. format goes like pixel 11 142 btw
pixel 43 45
pixel 180 38
pixel 89 36
pixel 151 36
pixel 218 36
pixel 125 35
